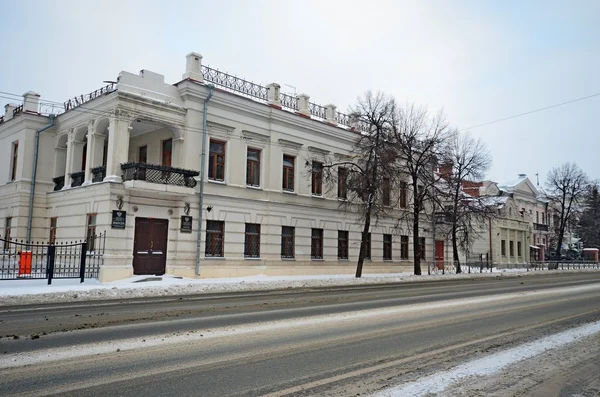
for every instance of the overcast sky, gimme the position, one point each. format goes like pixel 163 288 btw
pixel 478 60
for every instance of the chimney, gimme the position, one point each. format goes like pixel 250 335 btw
pixel 31 101
pixel 8 111
pixel 522 175
pixel 193 63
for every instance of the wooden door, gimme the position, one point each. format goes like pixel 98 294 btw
pixel 439 254
pixel 150 246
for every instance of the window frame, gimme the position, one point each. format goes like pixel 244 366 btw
pixel 423 248
pixel 252 240
pixel 343 240
pixel 287 240
pixel 387 247
pixel 520 249
pixel 317 178
pixel 253 167
pixel 404 248
pixel 386 192
pixel 212 237
pixel 511 248
pixel 403 195
pixel 503 247
pixel 7 232
pixel 213 160
pixel 316 244
pixel 288 173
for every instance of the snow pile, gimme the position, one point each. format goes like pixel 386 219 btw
pixel 14 292
pixel 436 383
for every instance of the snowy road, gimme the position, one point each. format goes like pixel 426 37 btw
pixel 331 342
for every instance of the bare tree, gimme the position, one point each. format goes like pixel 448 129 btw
pixel 588 226
pixel 363 179
pixel 419 142
pixel 566 188
pixel 466 160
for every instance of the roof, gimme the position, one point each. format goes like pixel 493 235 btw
pixel 511 184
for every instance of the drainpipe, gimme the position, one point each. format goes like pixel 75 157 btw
pixel 34 172
pixel 202 172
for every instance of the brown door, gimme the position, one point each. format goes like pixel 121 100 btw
pixel 150 246
pixel 439 254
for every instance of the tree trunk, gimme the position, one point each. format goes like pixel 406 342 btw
pixel 363 241
pixel 455 249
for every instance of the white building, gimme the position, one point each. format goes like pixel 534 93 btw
pixel 135 146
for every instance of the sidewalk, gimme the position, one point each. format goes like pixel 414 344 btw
pixel 16 292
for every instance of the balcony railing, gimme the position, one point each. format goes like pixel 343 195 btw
pixel 98 173
pixel 158 174
pixel 77 178
pixel 81 99
pixel 540 227
pixel 59 182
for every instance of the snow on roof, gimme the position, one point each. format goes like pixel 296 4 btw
pixel 511 184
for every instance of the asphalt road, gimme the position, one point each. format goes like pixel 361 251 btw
pixel 327 341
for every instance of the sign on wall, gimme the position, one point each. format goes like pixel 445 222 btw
pixel 186 224
pixel 118 219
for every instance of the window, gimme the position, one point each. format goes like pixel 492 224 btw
pixel 503 247
pixel 90 235
pixel 403 189
pixel 543 219
pixel 167 152
pixel 386 191
pixel 511 248
pixel 253 167
pixel 15 161
pixel 214 239
pixel 519 249
pixel 7 232
pixel 387 247
pixel 252 241
pixel 316 244
pixel 342 244
pixel 288 173
pixel 537 217
pixel 368 246
pixel 216 161
pixel 52 237
pixel 342 183
pixel 84 157
pixel 287 242
pixel 317 178
pixel 403 247
pixel 422 248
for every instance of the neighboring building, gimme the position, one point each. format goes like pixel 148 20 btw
pixel 135 146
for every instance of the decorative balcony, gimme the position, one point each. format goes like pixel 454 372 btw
pixel 98 173
pixel 78 178
pixel 59 182
pixel 159 174
pixel 540 227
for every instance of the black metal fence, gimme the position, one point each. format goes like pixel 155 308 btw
pixel 158 174
pixel 38 260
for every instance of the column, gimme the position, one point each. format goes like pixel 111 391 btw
pixel 69 161
pixel 89 153
pixel 118 147
pixel 178 160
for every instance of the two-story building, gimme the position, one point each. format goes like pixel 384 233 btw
pixel 202 178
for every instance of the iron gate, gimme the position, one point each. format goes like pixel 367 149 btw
pixel 35 260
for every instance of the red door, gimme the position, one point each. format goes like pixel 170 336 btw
pixel 439 254
pixel 150 246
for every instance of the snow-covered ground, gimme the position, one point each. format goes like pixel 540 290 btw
pixel 69 290
pixel 439 383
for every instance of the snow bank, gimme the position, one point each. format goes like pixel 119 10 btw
pixel 436 383
pixel 14 292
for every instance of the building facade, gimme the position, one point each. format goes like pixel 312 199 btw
pixel 126 159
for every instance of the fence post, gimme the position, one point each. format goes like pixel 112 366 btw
pixel 83 256
pixel 50 264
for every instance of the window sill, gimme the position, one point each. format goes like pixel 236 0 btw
pixel 289 192
pixel 218 258
pixel 317 259
pixel 251 259
pixel 289 259
pixel 253 187
pixel 388 260
pixel 319 196
pixel 343 260
pixel 217 182
pixel 342 199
